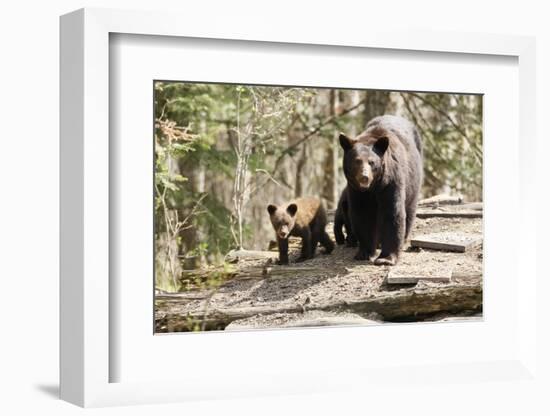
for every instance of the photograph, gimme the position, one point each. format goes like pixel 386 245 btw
pixel 280 207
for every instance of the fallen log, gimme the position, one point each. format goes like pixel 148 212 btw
pixel 182 295
pixel 235 255
pixel 406 304
pixel 476 206
pixel 442 199
pixel 459 210
pixel 435 213
pixel 300 320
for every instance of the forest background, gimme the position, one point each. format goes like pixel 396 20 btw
pixel 223 152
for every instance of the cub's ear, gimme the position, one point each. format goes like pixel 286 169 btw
pixel 292 209
pixel 381 146
pixel 271 209
pixel 346 142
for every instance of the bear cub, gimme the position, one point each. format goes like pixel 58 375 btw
pixel 305 218
pixel 383 169
pixel 342 221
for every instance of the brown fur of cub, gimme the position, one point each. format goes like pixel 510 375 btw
pixel 302 217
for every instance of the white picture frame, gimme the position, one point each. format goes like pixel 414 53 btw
pixel 85 353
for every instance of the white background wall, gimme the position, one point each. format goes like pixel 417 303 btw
pixel 29 56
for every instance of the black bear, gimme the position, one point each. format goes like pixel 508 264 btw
pixel 383 168
pixel 342 220
pixel 305 218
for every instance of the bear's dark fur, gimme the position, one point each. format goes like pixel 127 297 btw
pixel 383 168
pixel 342 220
pixel 305 218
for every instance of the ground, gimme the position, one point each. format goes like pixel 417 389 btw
pixel 334 287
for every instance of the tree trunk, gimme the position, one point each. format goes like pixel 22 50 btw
pixel 331 171
pixel 376 104
pixel 299 181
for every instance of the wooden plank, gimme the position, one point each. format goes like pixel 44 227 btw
pixel 439 272
pixel 434 213
pixel 450 241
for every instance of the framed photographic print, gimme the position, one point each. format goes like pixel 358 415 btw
pixel 227 260
pixel 284 214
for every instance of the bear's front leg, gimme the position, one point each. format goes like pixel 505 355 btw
pixel 283 250
pixel 367 243
pixel 351 240
pixel 314 242
pixel 363 226
pixel 306 245
pixel 392 231
pixel 338 225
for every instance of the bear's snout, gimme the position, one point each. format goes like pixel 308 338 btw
pixel 364 178
pixel 283 232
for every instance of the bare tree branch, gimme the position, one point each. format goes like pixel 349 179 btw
pixel 325 122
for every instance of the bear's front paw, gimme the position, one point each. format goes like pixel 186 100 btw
pixel 327 249
pixel 351 243
pixel 388 260
pixel 301 259
pixel 283 262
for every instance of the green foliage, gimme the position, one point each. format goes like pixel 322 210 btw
pixel 209 278
pixel 214 221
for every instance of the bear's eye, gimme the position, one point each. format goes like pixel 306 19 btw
pixel 358 161
pixel 371 162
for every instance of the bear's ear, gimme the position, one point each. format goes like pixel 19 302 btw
pixel 381 146
pixel 292 209
pixel 346 142
pixel 271 209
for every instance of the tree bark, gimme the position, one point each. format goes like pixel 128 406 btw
pixel 330 191
pixel 376 104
